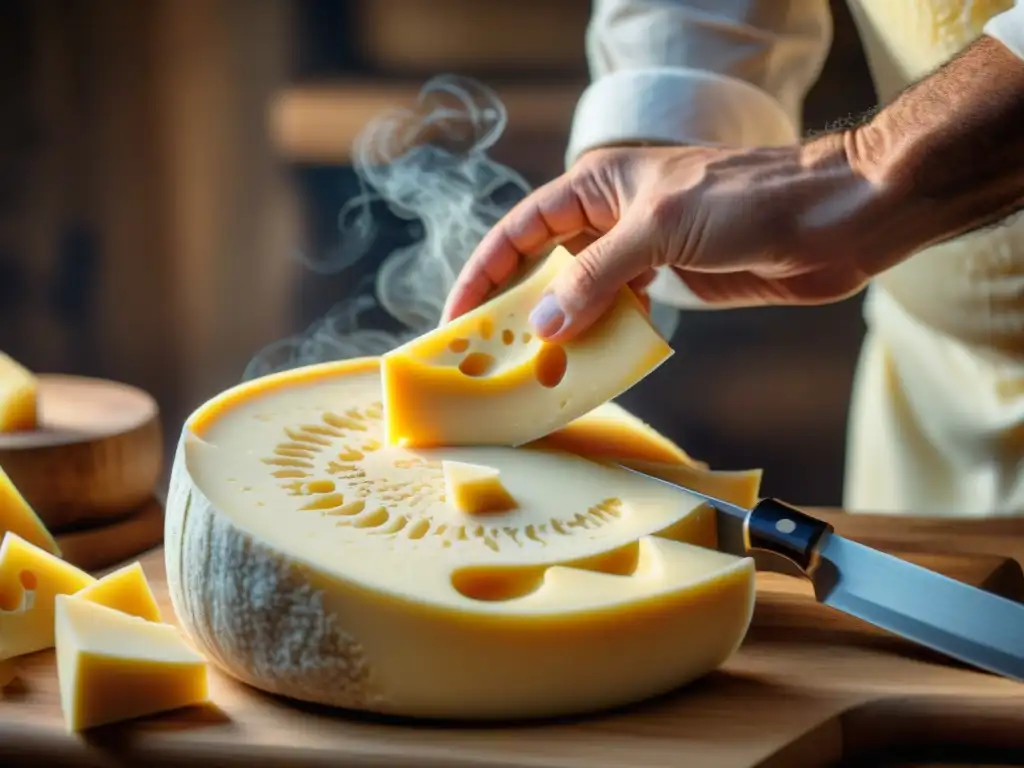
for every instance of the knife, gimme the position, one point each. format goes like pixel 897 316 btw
pixel 920 605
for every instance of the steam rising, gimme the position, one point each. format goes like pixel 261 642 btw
pixel 426 164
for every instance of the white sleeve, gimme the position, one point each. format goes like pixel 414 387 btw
pixel 1008 28
pixel 729 72
pixel 709 72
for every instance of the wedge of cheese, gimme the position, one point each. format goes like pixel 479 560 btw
pixel 307 558
pixel 17 516
pixel 113 667
pixel 484 379
pixel 126 590
pixel 30 579
pixel 742 487
pixel 18 395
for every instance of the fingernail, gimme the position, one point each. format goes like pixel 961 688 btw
pixel 547 317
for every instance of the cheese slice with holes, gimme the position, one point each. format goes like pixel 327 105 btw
pixel 484 379
pixel 30 578
pixel 113 667
pixel 18 396
pixel 126 590
pixel 17 516
pixel 307 558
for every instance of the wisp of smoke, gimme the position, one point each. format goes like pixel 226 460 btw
pixel 427 163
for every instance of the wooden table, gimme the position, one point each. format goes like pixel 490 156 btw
pixel 810 687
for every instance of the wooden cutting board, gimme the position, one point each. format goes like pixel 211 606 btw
pixel 809 687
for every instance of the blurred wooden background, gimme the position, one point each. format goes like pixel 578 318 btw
pixel 160 161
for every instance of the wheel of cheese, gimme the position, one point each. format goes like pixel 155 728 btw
pixel 307 558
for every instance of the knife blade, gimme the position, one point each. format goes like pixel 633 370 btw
pixel 966 623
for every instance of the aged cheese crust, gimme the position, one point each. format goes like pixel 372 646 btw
pixel 317 622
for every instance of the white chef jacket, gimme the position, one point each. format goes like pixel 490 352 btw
pixel 937 416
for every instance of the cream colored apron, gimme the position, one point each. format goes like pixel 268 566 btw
pixel 937 418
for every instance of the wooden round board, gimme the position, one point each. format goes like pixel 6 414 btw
pixel 97 454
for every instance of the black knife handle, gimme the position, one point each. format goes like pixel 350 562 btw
pixel 776 527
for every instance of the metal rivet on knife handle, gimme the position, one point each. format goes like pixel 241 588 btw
pixel 776 527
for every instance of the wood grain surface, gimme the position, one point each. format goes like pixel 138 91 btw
pixel 809 687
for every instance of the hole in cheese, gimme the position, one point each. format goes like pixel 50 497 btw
pixel 435 397
pixel 508 337
pixel 549 367
pixel 28 580
pixel 458 345
pixel 477 364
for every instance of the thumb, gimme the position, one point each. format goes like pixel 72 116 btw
pixel 587 288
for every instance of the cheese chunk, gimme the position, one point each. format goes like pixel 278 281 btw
pixel 484 379
pixel 474 489
pixel 113 667
pixel 18 394
pixel 16 516
pixel 30 578
pixel 125 590
pixel 307 558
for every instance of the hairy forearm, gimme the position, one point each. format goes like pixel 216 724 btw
pixel 949 152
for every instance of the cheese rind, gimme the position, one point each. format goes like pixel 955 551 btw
pixel 126 590
pixel 307 558
pixel 30 579
pixel 475 489
pixel 18 517
pixel 18 396
pixel 113 667
pixel 484 379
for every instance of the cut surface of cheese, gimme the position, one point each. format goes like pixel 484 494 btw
pixel 475 489
pixel 125 590
pixel 308 558
pixel 18 396
pixel 740 487
pixel 17 516
pixel 613 433
pixel 113 667
pixel 484 379
pixel 30 579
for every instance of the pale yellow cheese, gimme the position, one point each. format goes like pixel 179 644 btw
pixel 125 590
pixel 18 395
pixel 307 558
pixel 30 578
pixel 613 433
pixel 484 379
pixel 17 516
pixel 741 487
pixel 475 489
pixel 113 667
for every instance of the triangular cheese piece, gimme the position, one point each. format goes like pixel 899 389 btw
pixel 125 590
pixel 485 379
pixel 16 516
pixel 18 396
pixel 30 578
pixel 113 667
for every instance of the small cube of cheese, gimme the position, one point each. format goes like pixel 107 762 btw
pixel 475 489
pixel 125 590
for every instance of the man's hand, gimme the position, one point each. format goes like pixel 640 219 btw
pixel 797 225
pixel 763 226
